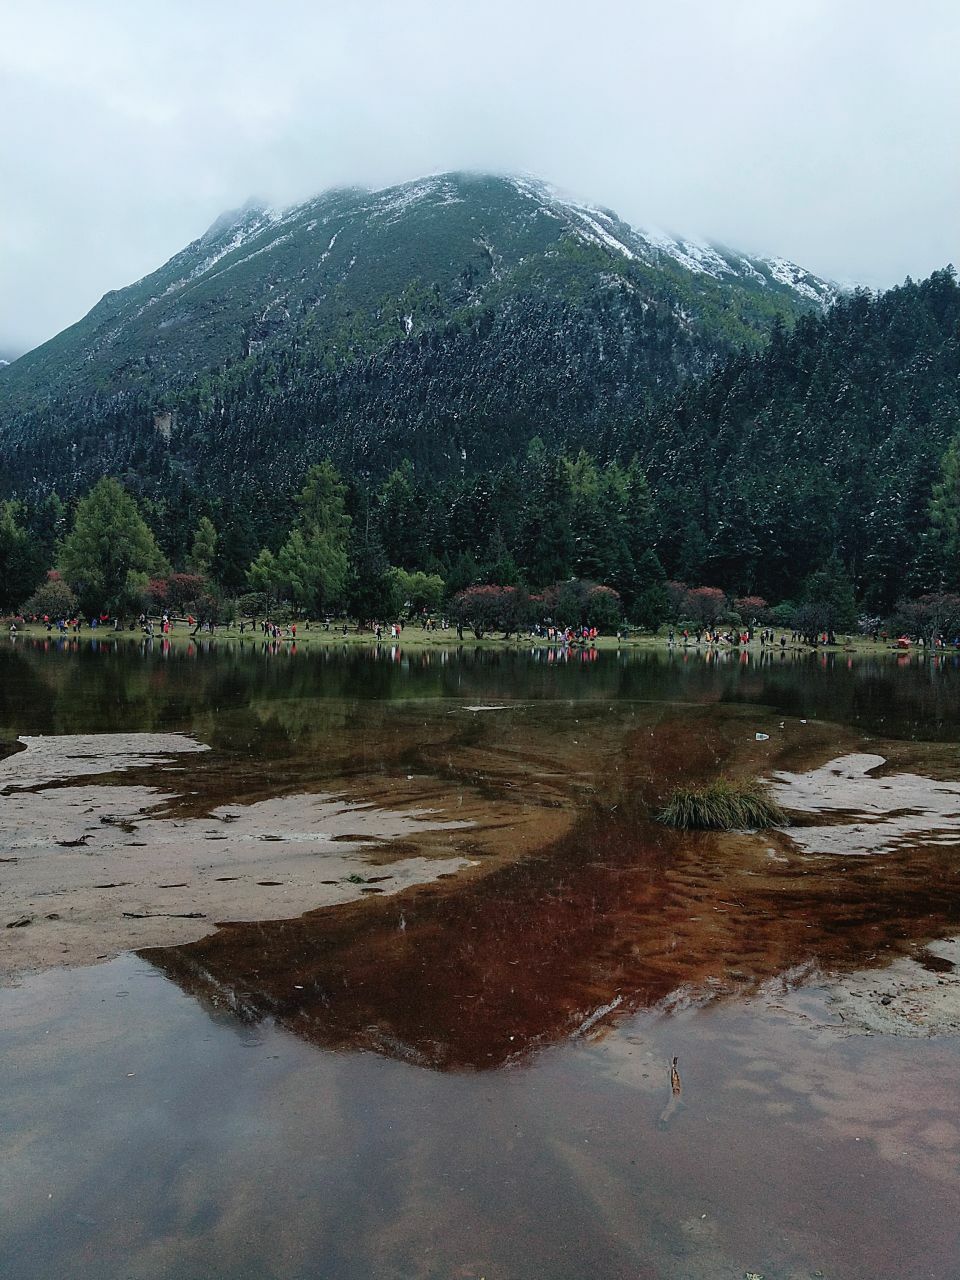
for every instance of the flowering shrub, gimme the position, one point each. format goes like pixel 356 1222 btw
pixel 752 608
pixel 576 603
pixel 488 607
pixel 706 604
pixel 179 591
pixel 52 599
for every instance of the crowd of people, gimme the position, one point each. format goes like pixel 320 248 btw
pixel 744 636
pixel 287 630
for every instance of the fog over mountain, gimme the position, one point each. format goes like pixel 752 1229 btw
pixel 813 131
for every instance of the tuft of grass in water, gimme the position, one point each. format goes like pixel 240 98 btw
pixel 721 806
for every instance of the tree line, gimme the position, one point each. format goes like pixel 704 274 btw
pixel 563 538
pixel 405 546
pixel 825 467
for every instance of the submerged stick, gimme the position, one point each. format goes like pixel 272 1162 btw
pixel 164 915
pixel 675 1104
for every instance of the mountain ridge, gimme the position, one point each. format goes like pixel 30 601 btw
pixel 238 236
pixel 697 254
pixel 452 314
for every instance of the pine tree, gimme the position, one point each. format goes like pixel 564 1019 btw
pixel 545 537
pixel 372 591
pixel 264 576
pixel 21 562
pixel 109 542
pixel 204 549
pixel 313 562
pixel 236 548
pixel 598 523
pixel 945 517
pixel 828 601
pixel 401 519
pixel 649 604
pixel 499 566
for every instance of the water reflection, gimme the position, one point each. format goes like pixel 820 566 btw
pixel 585 950
pixel 58 685
pixel 618 916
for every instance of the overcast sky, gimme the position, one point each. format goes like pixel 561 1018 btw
pixel 824 130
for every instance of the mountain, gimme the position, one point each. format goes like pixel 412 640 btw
pixel 446 319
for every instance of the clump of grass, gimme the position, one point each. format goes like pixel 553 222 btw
pixel 721 806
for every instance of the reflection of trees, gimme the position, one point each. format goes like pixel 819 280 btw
pixel 26 695
pixel 112 687
pixel 614 918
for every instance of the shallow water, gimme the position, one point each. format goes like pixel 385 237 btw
pixel 471 1077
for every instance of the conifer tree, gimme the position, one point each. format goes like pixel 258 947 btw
pixel 108 546
pixel 236 548
pixel 401 517
pixel 204 549
pixel 828 602
pixel 21 567
pixel 545 536
pixel 945 517
pixel 264 576
pixel 312 563
pixel 372 591
pixel 499 565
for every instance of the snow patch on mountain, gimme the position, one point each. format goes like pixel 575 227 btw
pixel 327 251
pixel 393 201
pixel 243 232
pixel 694 255
pixel 794 277
pixel 248 257
pixel 597 226
pixel 748 269
pixel 601 235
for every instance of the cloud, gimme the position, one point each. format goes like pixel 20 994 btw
pixel 820 131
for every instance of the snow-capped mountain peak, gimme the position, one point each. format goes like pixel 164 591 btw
pixel 595 225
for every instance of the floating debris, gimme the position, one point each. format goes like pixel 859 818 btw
pixel 674 1105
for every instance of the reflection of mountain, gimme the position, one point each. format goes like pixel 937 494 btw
pixel 616 917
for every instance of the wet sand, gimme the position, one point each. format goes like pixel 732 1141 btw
pixel 109 842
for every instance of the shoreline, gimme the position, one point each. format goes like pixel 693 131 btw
pixel 416 637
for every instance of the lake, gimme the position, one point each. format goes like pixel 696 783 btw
pixel 354 962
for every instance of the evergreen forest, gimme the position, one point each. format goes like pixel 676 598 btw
pixel 812 482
